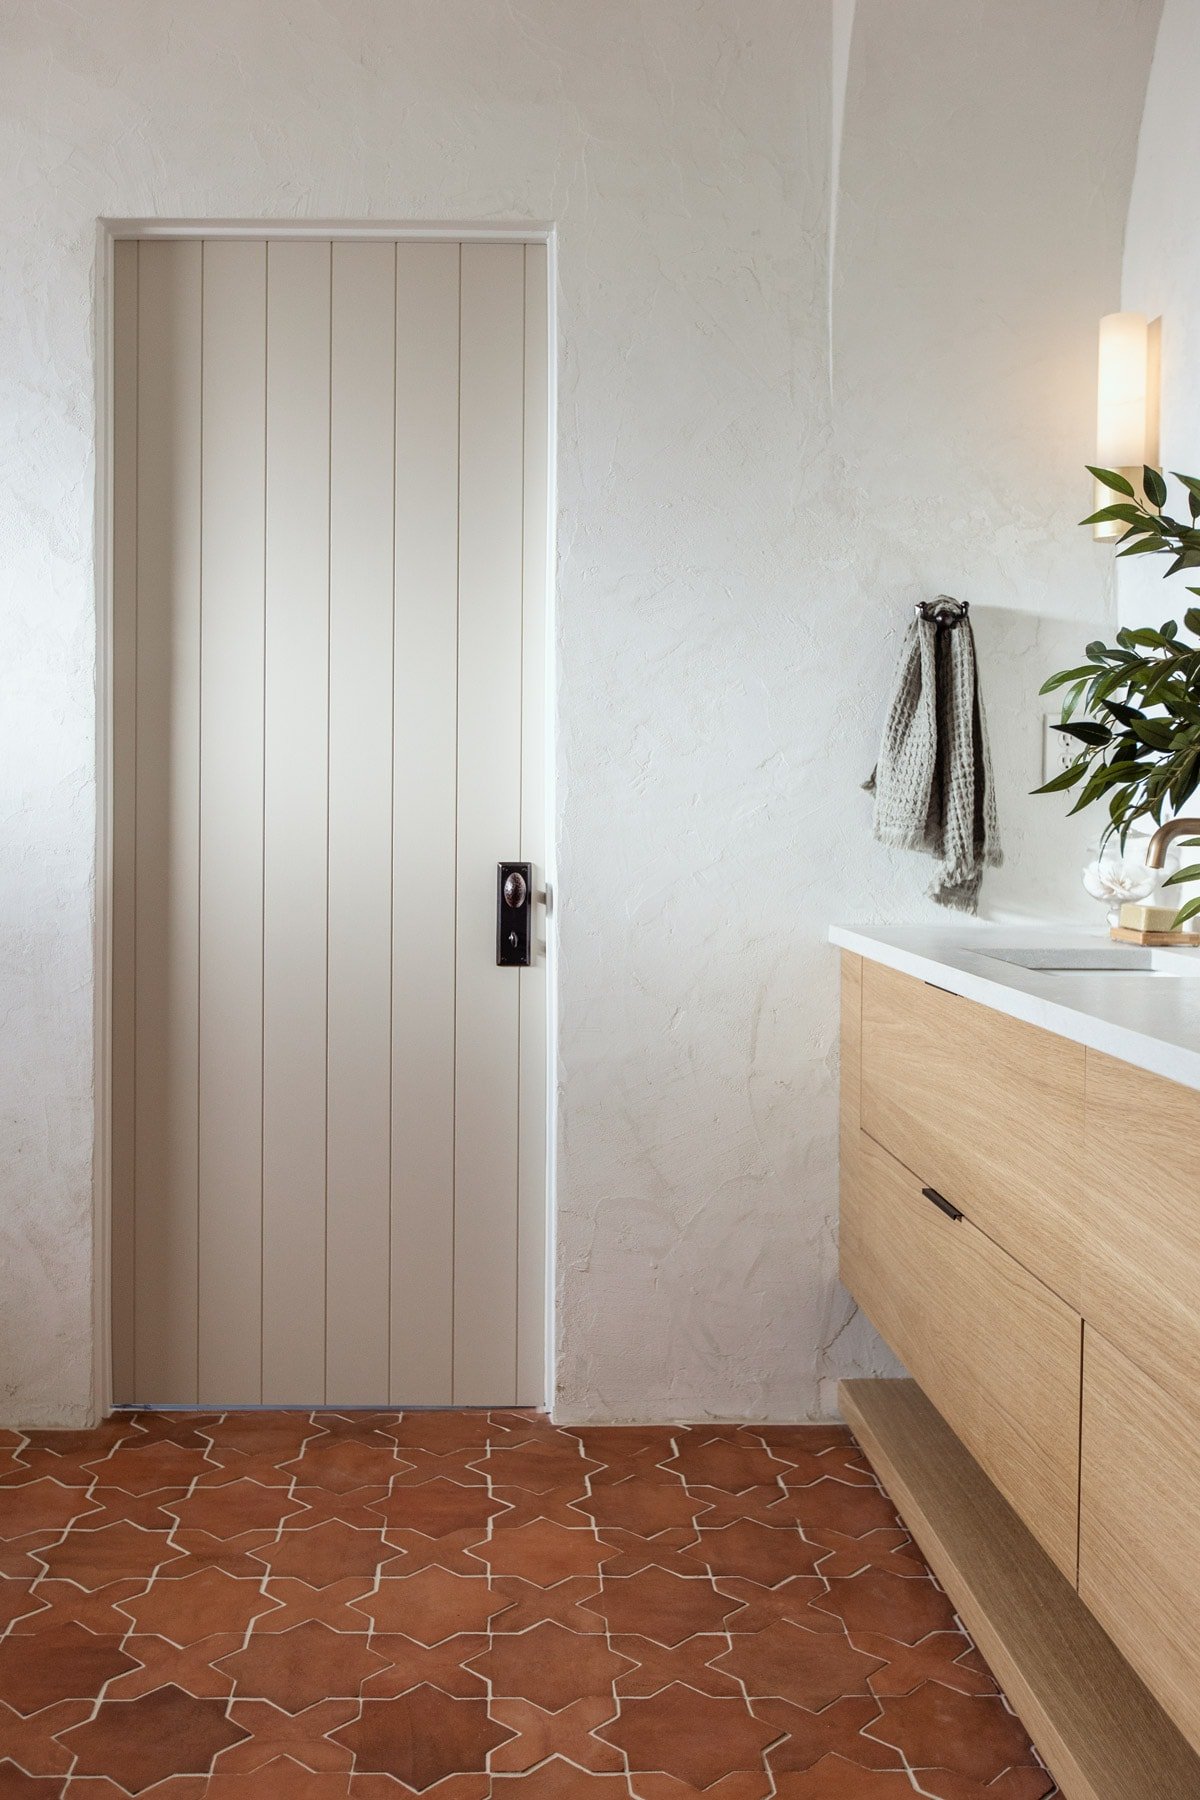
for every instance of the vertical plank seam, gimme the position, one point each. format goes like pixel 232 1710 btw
pixel 388 1379
pixel 199 798
pixel 519 1287
pixel 131 1175
pixel 262 946
pixel 328 806
pixel 457 782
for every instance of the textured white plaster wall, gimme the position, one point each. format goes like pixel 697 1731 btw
pixel 735 556
pixel 1162 278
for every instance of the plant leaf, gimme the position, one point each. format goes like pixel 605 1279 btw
pixel 1066 778
pixel 1182 875
pixel 1147 546
pixel 1185 913
pixel 1088 732
pixel 1121 509
pixel 1109 478
pixel 1155 486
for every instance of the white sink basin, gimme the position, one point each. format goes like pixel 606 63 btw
pixel 1105 959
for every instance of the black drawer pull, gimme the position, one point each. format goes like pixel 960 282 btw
pixel 942 1204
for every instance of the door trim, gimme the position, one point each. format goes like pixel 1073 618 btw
pixel 536 1087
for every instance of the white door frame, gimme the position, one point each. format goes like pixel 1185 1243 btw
pixel 109 231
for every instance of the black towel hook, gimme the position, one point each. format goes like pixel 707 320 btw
pixel 945 610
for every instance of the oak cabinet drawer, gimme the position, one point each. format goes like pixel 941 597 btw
pixel 984 1108
pixel 1139 1541
pixel 1141 1254
pixel 996 1352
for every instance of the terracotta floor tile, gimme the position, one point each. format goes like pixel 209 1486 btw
pixel 522 1506
pixel 276 1434
pixel 16 1599
pixel 891 1605
pixel 938 1727
pixel 142 1468
pixel 811 1668
pixel 41 1506
pixel 794 1600
pixel 32 1743
pixel 840 1555
pixel 200 1550
pixel 184 1611
pixel 420 1466
pixel 114 1506
pixel 188 1429
pixel 765 1554
pixel 280 1779
pixel 364 1426
pixel 945 1656
pixel 445 1433
pixel 834 1729
pixel 326 1553
pixel 802 1464
pixel 813 1438
pixel 561 1780
pixel 235 1508
pixel 721 1464
pixel 412 1551
pixel 297 1603
pixel 188 1666
pixel 837 1505
pixel 566 1733
pixel 431 1606
pixel 550 1666
pixel 322 1506
pixel 690 1735
pixel 545 1553
pixel 422 1737
pixel 63 1603
pixel 644 1507
pixel 438 1508
pixel 665 1607
pixel 303 1736
pixel 342 1463
pixel 15 1784
pixel 630 1553
pixel 294 1669
pixel 833 1778
pixel 656 1666
pixel 742 1785
pixel 572 1603
pixel 1014 1784
pixel 66 1663
pixel 538 1466
pixel 410 1664
pixel 93 1559
pixel 634 1448
pixel 325 1606
pixel 139 1742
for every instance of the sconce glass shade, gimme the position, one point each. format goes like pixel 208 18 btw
pixel 1122 405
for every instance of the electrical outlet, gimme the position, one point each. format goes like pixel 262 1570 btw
pixel 1057 749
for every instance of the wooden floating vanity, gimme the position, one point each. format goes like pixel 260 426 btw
pixel 1020 1219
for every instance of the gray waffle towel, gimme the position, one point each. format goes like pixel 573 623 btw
pixel 933 783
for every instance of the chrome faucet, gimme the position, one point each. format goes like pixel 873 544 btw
pixel 1164 837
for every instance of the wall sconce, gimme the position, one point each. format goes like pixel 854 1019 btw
pixel 1126 404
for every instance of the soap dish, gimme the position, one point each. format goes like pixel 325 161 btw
pixel 1157 940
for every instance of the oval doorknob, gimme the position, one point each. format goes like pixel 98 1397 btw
pixel 515 891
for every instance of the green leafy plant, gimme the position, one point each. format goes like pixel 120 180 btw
pixel 1134 706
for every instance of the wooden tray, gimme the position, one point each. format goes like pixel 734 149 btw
pixel 1159 940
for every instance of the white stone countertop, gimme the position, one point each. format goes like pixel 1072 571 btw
pixel 1150 1019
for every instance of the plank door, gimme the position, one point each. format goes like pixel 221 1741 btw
pixel 329 531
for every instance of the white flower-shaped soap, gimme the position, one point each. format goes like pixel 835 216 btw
pixel 1116 879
